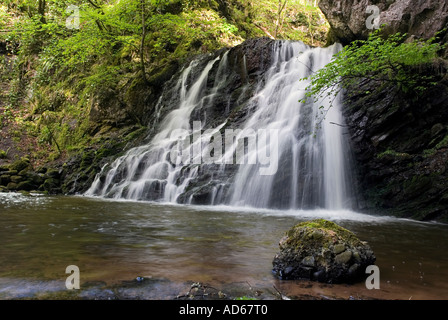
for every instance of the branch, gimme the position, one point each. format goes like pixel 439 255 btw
pixel 280 10
pixel 265 31
pixel 94 4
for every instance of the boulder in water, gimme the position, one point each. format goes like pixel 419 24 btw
pixel 321 250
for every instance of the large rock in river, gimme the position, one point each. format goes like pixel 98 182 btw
pixel 321 250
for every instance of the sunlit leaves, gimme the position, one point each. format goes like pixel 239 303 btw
pixel 392 60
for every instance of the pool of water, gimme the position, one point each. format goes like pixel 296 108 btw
pixel 112 242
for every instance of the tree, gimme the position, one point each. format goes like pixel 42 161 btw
pixel 281 7
pixel 381 60
pixel 41 10
pixel 142 45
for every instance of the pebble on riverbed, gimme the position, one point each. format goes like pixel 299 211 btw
pixel 321 250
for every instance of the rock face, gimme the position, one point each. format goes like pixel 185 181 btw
pixel 244 68
pixel 19 176
pixel 400 143
pixel 422 19
pixel 320 250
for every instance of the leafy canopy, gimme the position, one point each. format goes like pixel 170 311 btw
pixel 382 60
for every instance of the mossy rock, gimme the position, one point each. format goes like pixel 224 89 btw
pixel 16 179
pixel 323 251
pixel 35 178
pixel 20 165
pixel 5 179
pixel 51 185
pixel 26 186
pixel 53 173
pixel 12 186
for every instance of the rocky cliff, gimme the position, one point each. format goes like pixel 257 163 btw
pixel 400 140
pixel 422 19
pixel 401 149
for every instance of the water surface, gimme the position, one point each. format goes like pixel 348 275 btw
pixel 116 241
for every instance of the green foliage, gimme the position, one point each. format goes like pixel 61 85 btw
pixel 245 298
pixel 392 154
pixel 299 20
pixel 384 61
pixel 3 154
pixel 60 72
pixel 441 145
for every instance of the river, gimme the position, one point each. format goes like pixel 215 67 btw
pixel 175 246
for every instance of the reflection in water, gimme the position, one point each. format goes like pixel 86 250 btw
pixel 118 241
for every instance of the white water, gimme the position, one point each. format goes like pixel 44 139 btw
pixel 158 172
pixel 313 160
pixel 313 169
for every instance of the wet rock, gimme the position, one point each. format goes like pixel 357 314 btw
pixel 308 261
pixel 343 257
pixel 339 248
pixel 321 250
pixel 404 174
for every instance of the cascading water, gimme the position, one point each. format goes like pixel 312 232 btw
pixel 313 154
pixel 308 167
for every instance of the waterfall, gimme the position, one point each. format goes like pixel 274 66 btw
pixel 308 165
pixel 313 162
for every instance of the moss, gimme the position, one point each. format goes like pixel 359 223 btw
pixel 11 186
pixel 320 230
pixel 53 173
pixel 324 225
pixel 162 75
pixel 16 179
pixel 51 185
pixel 442 144
pixel 136 134
pixel 394 155
pixel 20 165
pixel 417 184
pixel 87 159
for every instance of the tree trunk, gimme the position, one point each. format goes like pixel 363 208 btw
pixel 142 44
pixel 41 10
pixel 281 7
